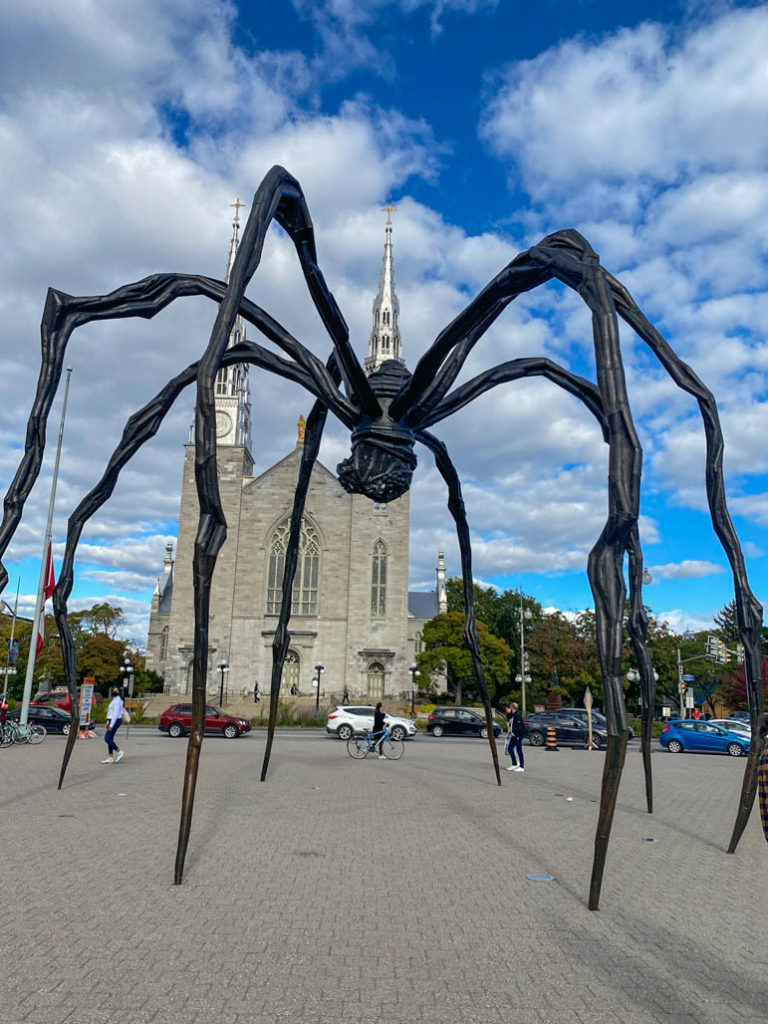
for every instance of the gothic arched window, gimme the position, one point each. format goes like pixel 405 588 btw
pixel 379 581
pixel 164 644
pixel 305 584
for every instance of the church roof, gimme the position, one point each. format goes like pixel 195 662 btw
pixel 164 604
pixel 422 604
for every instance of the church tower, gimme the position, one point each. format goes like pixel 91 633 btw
pixel 232 391
pixel 384 342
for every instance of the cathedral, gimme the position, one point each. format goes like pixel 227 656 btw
pixel 352 615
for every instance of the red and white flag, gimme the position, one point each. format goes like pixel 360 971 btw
pixel 48 585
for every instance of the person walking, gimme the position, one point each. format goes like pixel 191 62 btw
pixel 516 731
pixel 378 727
pixel 345 697
pixel 256 692
pixel 115 713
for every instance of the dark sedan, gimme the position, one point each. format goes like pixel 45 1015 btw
pixel 569 731
pixel 459 722
pixel 48 715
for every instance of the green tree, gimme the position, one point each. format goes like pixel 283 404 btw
pixel 446 649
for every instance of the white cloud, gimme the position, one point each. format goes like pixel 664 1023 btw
pixel 639 105
pixel 687 569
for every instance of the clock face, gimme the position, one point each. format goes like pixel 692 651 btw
pixel 223 424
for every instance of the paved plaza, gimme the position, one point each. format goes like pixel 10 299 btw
pixel 374 892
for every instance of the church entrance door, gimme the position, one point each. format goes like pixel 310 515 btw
pixel 290 672
pixel 375 681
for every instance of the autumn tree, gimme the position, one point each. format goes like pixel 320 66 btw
pixel 445 649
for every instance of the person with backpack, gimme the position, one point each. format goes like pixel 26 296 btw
pixel 516 731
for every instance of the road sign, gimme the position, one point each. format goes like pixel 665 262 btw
pixel 688 679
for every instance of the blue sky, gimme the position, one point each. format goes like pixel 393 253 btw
pixel 126 134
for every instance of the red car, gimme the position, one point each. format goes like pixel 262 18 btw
pixel 177 720
pixel 57 698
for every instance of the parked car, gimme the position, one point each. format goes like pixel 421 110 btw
pixel 453 721
pixel 569 730
pixel 742 716
pixel 732 725
pixel 598 720
pixel 177 720
pixel 348 719
pixel 53 718
pixel 689 734
pixel 57 698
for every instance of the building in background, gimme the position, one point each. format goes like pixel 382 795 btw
pixel 351 612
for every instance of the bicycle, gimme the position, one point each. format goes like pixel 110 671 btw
pixel 362 744
pixel 15 732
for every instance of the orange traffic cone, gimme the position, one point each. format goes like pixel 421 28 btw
pixel 551 739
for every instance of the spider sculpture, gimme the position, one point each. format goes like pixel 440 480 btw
pixel 387 413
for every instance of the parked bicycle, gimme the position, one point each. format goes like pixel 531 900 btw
pixel 14 732
pixel 362 744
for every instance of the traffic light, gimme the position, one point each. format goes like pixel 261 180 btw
pixel 683 686
pixel 712 649
pixel 727 654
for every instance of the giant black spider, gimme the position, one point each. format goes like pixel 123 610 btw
pixel 387 413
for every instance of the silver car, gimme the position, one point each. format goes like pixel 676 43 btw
pixel 347 719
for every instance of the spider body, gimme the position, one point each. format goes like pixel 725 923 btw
pixel 387 413
pixel 383 458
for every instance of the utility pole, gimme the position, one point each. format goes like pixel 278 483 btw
pixel 43 567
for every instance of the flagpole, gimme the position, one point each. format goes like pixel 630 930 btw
pixel 10 642
pixel 43 567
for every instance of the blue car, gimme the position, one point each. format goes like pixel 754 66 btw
pixel 689 734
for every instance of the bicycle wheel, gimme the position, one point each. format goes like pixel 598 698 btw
pixel 37 734
pixel 357 747
pixel 392 749
pixel 6 738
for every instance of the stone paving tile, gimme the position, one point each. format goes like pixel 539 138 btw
pixel 273 922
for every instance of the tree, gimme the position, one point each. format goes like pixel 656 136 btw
pixel 446 648
pixel 733 687
pixel 98 651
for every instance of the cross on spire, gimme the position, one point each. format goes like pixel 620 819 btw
pixel 389 209
pixel 237 207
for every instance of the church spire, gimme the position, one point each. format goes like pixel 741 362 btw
pixel 232 390
pixel 384 342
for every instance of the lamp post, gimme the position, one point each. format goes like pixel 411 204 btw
pixel 319 669
pixel 223 669
pixel 414 672
pixel 523 676
pixel 127 669
pixel 633 676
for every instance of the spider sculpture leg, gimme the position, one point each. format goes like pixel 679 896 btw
pixel 456 507
pixel 748 609
pixel 146 298
pixel 637 624
pixel 142 426
pixel 312 437
pixel 278 197
pixel 569 257
pixel 587 393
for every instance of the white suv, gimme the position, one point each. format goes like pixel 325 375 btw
pixel 352 718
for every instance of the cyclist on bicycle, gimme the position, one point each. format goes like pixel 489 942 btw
pixel 378 728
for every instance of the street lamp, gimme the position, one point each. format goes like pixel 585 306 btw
pixel 319 669
pixel 127 670
pixel 223 668
pixel 523 677
pixel 414 672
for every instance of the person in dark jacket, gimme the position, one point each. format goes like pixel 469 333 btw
pixel 378 727
pixel 515 731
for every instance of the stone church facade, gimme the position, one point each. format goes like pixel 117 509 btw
pixel 352 612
